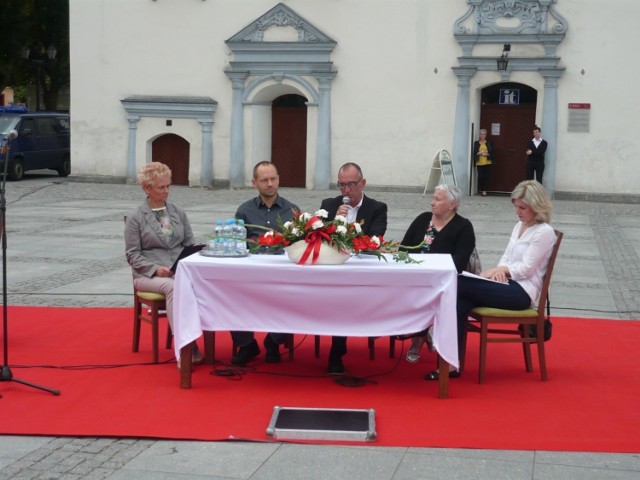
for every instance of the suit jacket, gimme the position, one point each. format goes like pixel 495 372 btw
pixel 537 153
pixel 373 213
pixel 456 238
pixel 146 246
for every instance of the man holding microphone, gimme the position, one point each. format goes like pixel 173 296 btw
pixel 356 207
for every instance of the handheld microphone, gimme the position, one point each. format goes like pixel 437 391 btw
pixel 345 199
pixel 11 135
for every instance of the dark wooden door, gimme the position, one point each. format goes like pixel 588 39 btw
pixel 173 151
pixel 289 139
pixel 509 127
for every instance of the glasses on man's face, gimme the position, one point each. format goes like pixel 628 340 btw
pixel 351 185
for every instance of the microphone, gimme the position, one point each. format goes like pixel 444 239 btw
pixel 14 134
pixel 345 199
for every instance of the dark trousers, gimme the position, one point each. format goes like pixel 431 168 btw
pixel 242 339
pixel 535 167
pixel 338 346
pixel 473 292
pixel 484 172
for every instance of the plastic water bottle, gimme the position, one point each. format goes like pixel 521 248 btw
pixel 241 240
pixel 227 234
pixel 218 241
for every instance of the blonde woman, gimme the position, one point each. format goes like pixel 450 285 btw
pixel 483 153
pixel 154 236
pixel 519 274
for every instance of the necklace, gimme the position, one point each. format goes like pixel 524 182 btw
pixel 438 224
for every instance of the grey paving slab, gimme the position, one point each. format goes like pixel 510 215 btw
pixel 462 467
pixel 66 248
pixel 210 459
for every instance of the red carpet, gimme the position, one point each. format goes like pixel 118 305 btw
pixel 590 402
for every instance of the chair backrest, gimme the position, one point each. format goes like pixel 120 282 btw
pixel 544 293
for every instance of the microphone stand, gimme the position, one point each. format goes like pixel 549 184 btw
pixel 5 374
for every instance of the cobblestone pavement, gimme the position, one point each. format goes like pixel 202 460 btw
pixel 65 248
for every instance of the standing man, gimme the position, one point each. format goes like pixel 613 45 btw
pixel 266 210
pixel 356 207
pixel 536 147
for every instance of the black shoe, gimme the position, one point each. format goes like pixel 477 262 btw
pixel 411 335
pixel 246 354
pixel 335 365
pixel 273 351
pixel 435 375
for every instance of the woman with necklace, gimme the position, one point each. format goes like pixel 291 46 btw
pixel 442 230
pixel 155 235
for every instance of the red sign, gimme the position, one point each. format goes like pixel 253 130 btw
pixel 580 106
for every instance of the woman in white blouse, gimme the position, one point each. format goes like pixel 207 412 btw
pixel 517 279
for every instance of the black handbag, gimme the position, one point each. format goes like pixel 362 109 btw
pixel 548 326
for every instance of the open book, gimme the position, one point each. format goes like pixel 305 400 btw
pixel 473 275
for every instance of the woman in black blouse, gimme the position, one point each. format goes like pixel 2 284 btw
pixel 442 230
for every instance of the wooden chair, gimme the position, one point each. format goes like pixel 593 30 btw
pixel 519 320
pixel 474 266
pixel 149 307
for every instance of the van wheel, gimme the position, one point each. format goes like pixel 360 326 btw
pixel 16 172
pixel 65 169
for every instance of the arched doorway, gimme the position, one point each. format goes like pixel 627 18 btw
pixel 173 151
pixel 289 139
pixel 508 113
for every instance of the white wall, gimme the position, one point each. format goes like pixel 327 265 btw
pixel 390 111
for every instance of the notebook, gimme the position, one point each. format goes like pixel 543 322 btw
pixel 186 251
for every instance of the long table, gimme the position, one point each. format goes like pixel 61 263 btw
pixel 365 297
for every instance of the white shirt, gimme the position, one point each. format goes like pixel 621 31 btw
pixel 352 214
pixel 527 257
pixel 537 142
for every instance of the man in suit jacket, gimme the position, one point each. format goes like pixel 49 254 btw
pixel 353 204
pixel 536 148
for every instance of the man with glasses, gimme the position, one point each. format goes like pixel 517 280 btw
pixel 268 209
pixel 356 207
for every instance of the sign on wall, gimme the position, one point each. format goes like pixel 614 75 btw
pixel 509 96
pixel 579 117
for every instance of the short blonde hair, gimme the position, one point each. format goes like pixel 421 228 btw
pixel 535 195
pixel 152 171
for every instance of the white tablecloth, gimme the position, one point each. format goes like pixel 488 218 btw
pixel 363 297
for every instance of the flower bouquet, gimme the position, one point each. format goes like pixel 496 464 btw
pixel 316 231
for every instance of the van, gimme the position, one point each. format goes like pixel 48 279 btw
pixel 43 142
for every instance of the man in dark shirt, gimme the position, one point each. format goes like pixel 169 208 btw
pixel 353 204
pixel 536 148
pixel 268 209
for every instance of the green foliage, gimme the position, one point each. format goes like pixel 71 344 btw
pixel 36 24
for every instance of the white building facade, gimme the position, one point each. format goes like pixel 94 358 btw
pixel 212 87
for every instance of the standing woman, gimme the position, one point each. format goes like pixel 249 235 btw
pixel 442 230
pixel 483 153
pixel 154 236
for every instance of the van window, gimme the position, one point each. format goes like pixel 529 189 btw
pixel 46 126
pixel 26 127
pixel 62 125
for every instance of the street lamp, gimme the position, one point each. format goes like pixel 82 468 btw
pixel 38 62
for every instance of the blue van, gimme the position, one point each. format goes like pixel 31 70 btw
pixel 43 142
